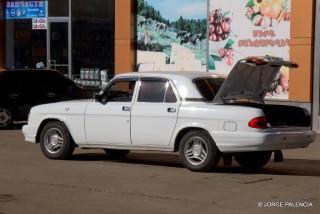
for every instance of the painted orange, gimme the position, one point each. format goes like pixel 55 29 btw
pixel 301 50
pixel 124 36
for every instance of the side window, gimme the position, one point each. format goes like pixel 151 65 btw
pixel 30 83
pixel 120 91
pixel 156 91
pixel 152 91
pixel 55 82
pixel 170 96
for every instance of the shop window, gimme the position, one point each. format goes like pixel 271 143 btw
pixel 25 48
pixel 58 8
pixel 93 36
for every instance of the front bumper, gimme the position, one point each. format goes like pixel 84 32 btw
pixel 271 140
pixel 29 133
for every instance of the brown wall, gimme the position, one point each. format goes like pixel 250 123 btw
pixel 124 36
pixel 301 49
pixel 2 37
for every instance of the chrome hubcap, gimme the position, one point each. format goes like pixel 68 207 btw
pixel 53 140
pixel 5 117
pixel 196 150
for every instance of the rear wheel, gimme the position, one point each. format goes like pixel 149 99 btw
pixel 253 160
pixel 56 142
pixel 115 154
pixel 6 118
pixel 198 152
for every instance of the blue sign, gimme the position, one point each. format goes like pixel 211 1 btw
pixel 26 9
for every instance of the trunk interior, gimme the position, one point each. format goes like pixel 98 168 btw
pixel 285 116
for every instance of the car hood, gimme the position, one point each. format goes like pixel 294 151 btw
pixel 250 80
pixel 65 107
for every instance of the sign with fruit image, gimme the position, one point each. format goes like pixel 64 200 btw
pixel 265 12
pixel 242 28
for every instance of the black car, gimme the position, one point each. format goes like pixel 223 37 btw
pixel 20 90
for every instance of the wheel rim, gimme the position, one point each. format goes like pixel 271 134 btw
pixel 196 150
pixel 5 117
pixel 53 140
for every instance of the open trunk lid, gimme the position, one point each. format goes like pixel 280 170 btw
pixel 250 80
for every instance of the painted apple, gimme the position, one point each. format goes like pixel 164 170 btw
pixel 222 52
pixel 284 82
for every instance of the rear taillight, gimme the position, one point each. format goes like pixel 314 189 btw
pixel 259 123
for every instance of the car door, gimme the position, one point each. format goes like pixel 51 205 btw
pixel 107 120
pixel 154 114
pixel 10 93
pixel 31 92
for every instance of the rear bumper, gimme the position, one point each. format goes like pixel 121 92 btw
pixel 267 141
pixel 29 133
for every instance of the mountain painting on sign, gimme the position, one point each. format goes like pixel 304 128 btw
pixel 172 35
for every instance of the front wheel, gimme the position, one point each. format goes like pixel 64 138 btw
pixel 6 118
pixel 56 142
pixel 198 152
pixel 253 160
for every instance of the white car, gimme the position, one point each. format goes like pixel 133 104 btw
pixel 202 115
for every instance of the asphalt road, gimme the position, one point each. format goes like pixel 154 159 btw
pixel 151 183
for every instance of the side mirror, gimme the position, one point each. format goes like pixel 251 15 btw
pixel 101 99
pixel 97 96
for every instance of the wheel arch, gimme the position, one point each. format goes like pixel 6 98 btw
pixel 48 120
pixel 183 131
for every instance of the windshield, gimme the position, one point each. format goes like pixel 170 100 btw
pixel 208 87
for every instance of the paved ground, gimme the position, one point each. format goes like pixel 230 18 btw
pixel 150 183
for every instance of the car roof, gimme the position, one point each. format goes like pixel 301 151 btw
pixel 172 75
pixel 183 81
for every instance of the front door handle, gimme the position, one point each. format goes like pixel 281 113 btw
pixel 172 110
pixel 126 108
pixel 13 96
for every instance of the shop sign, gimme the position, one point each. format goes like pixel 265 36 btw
pixel 242 28
pixel 26 9
pixel 39 24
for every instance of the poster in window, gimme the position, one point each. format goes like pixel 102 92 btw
pixel 242 28
pixel 171 35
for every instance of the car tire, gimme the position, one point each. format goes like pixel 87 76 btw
pixel 6 118
pixel 56 142
pixel 115 154
pixel 198 151
pixel 253 160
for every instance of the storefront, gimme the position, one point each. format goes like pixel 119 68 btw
pixel 178 35
pixel 68 35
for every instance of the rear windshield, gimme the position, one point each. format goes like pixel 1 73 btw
pixel 208 87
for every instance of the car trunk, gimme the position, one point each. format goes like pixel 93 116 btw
pixel 247 85
pixel 283 116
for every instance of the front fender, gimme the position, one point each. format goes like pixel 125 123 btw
pixel 74 124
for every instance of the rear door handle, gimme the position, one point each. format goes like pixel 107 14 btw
pixel 172 110
pixel 126 108
pixel 51 95
pixel 13 96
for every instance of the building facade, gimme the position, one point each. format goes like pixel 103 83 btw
pixel 104 34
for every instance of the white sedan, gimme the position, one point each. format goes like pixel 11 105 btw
pixel 202 115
